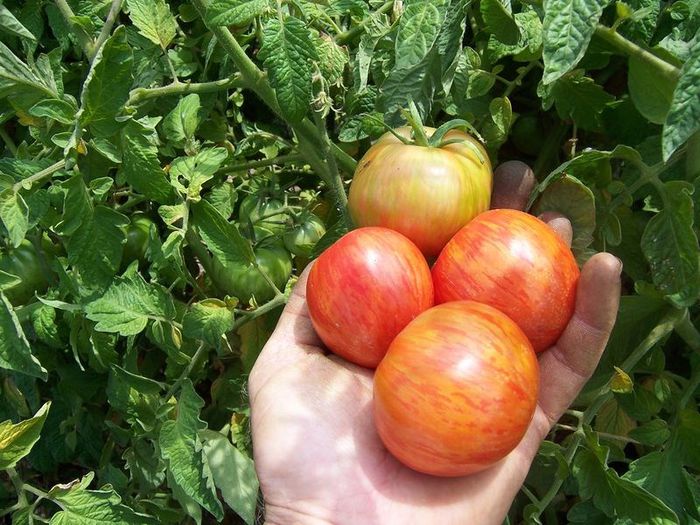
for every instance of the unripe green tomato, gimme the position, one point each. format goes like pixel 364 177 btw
pixel 246 281
pixel 527 135
pixel 25 263
pixel 301 239
pixel 265 212
pixel 136 239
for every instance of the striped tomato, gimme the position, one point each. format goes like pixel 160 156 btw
pixel 364 289
pixel 425 193
pixel 456 390
pixel 515 263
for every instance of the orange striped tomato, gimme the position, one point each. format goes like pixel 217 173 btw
pixel 425 193
pixel 456 390
pixel 364 290
pixel 515 263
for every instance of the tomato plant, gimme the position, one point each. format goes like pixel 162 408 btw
pixel 364 289
pixel 515 263
pixel 247 281
pixel 425 192
pixel 456 390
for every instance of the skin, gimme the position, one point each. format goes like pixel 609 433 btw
pixel 442 389
pixel 317 453
pixel 372 278
pixel 514 262
pixel 443 187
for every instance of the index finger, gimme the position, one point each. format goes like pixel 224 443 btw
pixel 513 182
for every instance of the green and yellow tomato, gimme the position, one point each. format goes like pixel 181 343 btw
pixel 301 239
pixel 424 193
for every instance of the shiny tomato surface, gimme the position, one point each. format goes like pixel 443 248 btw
pixel 457 389
pixel 364 289
pixel 515 263
pixel 427 194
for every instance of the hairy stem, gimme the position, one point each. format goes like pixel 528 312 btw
pixel 626 47
pixel 139 95
pixel 357 30
pixel 9 143
pixel 262 163
pixel 107 27
pixel 86 43
pixel 186 372
pixel 39 176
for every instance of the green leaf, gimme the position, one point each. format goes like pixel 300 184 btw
pixel 418 30
pixel 181 448
pixel 287 54
pixel 14 214
pixel 10 24
pixel 136 397
pixel 140 163
pixel 617 496
pixel 106 88
pixel 56 109
pixel 235 12
pixel 208 320
pixel 653 433
pixel 670 245
pixel 153 20
pixel 221 237
pixel 80 506
pixel 182 122
pixel 234 474
pixel 683 118
pixel 621 382
pixel 470 80
pixel 568 27
pixel 15 74
pixel 189 174
pixel 16 441
pixel 498 16
pixel 501 114
pixel 95 248
pixel 651 92
pixel 128 305
pixel 15 352
pixel 577 97
pixel 573 199
pixel 332 59
pixel 529 44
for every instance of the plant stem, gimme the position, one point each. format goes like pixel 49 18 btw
pixel 9 143
pixel 107 27
pixel 86 43
pixel 253 164
pixel 37 492
pixel 19 486
pixel 689 390
pixel 688 332
pixel 602 434
pixel 336 180
pixel 39 176
pixel 186 372
pixel 268 306
pixel 519 79
pixel 626 47
pixel 355 31
pixel 139 95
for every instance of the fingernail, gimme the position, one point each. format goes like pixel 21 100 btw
pixel 619 264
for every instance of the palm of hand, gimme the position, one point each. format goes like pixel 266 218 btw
pixel 320 460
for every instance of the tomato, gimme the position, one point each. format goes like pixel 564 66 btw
pixel 527 135
pixel 425 193
pixel 268 213
pixel 515 263
pixel 364 289
pixel 302 238
pixel 25 263
pixel 137 239
pixel 457 390
pixel 245 282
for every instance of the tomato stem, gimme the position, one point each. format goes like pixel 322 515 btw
pixel 414 120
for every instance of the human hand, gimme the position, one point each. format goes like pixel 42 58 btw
pixel 317 453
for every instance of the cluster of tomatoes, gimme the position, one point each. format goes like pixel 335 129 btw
pixel 454 345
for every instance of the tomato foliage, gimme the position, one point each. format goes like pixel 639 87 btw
pixel 224 124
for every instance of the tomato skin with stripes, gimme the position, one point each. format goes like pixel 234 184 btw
pixel 364 290
pixel 457 390
pixel 514 262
